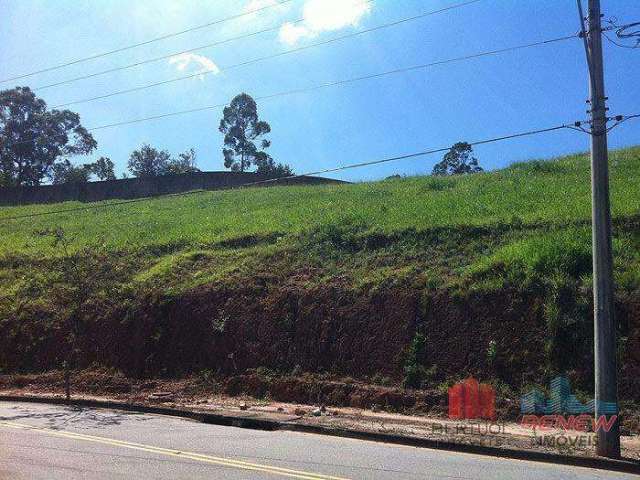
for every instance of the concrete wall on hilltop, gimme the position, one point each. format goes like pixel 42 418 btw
pixel 140 187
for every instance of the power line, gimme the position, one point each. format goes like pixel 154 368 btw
pixel 268 57
pixel 147 42
pixel 620 119
pixel 389 72
pixel 317 172
pixel 221 42
pixel 181 52
pixel 623 32
pixel 411 155
pixel 337 83
pixel 347 81
pixel 618 44
pixel 163 57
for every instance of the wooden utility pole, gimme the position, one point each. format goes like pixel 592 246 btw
pixel 606 388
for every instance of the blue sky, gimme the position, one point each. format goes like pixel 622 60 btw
pixel 394 115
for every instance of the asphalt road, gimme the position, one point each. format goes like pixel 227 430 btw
pixel 58 442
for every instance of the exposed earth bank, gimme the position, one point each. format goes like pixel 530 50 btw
pixel 385 337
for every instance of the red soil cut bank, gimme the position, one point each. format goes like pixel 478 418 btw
pixel 279 325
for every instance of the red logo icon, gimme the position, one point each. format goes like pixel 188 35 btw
pixel 470 399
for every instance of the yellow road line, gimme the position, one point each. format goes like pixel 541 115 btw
pixel 177 453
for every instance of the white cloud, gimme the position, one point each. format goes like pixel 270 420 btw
pixel 291 33
pixel 186 61
pixel 324 15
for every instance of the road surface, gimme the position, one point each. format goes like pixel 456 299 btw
pixel 58 442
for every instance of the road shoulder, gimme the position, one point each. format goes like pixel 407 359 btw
pixel 505 440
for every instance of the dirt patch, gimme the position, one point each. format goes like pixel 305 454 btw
pixel 311 390
pixel 364 408
pixel 266 388
pixel 305 389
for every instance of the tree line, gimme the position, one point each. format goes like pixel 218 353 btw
pixel 36 145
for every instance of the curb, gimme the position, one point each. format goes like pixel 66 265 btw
pixel 625 466
pixel 202 417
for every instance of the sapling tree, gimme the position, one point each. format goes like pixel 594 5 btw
pixel 78 275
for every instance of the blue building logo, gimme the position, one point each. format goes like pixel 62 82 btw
pixel 561 401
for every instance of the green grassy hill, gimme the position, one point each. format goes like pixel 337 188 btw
pixel 494 252
pixel 538 191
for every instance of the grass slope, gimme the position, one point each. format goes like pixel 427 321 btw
pixel 522 229
pixel 556 191
pixel 211 231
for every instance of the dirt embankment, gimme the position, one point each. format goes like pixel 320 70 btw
pixel 306 389
pixel 287 326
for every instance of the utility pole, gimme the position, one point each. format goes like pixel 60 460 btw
pixel 606 388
